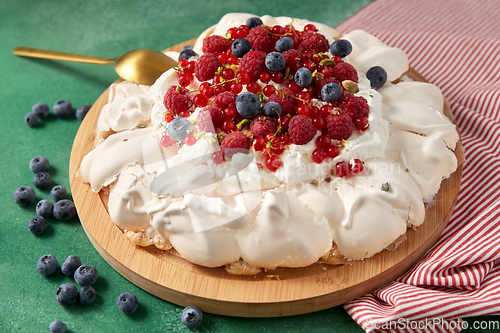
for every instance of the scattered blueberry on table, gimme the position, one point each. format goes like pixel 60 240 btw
pixel 44 208
pixel 37 225
pixel 64 210
pixel 70 264
pixel 86 275
pixel 66 294
pixel 191 316
pixel 87 295
pixel 127 303
pixel 58 192
pixel 24 196
pixel 62 108
pixel 82 111
pixel 47 265
pixel 42 180
pixel 58 326
pixel 40 109
pixel 31 119
pixel 39 163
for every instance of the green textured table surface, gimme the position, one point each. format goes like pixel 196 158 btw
pixel 104 28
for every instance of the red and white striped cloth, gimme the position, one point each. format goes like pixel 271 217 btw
pixel 456 46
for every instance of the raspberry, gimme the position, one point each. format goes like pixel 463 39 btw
pixel 285 100
pixel 209 119
pixel 319 85
pixel 206 66
pixel 313 41
pixel 235 142
pixel 293 60
pixel 261 126
pixel 260 39
pixel 225 99
pixel 338 126
pixel 354 106
pixel 253 63
pixel 345 71
pixel 176 100
pixel 301 130
pixel 215 44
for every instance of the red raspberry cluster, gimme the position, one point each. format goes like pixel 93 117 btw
pixel 223 76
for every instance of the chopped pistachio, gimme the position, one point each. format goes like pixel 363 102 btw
pixel 350 86
pixel 385 187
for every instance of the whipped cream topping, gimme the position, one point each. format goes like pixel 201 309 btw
pixel 215 215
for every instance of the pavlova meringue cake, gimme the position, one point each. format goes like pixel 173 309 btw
pixel 275 142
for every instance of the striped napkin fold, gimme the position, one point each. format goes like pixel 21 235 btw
pixel 456 46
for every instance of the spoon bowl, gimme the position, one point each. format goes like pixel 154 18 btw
pixel 139 66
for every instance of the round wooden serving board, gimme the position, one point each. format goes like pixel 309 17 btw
pixel 280 292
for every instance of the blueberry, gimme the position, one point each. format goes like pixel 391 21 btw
pixel 62 108
pixel 284 44
pixel 191 317
pixel 331 92
pixel 275 61
pixel 341 47
pixel 40 109
pixel 82 111
pixel 240 47
pixel 179 128
pixel 70 264
pixel 31 119
pixel 24 196
pixel 44 208
pixel 248 104
pixel 58 326
pixel 86 275
pixel 58 192
pixel 86 295
pixel 127 303
pixel 67 294
pixel 37 225
pixel 272 109
pixel 187 54
pixel 187 47
pixel 64 210
pixel 47 265
pixel 39 163
pixel 253 22
pixel 377 76
pixel 303 77
pixel 42 180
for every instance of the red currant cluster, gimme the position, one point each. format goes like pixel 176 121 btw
pixel 230 75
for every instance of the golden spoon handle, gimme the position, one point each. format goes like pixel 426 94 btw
pixel 46 54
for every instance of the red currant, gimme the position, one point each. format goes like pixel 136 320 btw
pixel 223 57
pixel 265 77
pixel 253 87
pixel 284 120
pixel 233 60
pixel 356 166
pixel 318 155
pixel 342 169
pixel 303 110
pixel 166 141
pixel 323 141
pixel 230 112
pixel 190 140
pixel 314 112
pixel 185 80
pixel 259 143
pixel 169 117
pixel 294 87
pixel 332 151
pixel 200 100
pixel 184 113
pixel 183 63
pixel 228 74
pixel 310 28
pixel 236 87
pixel 273 163
pixel 268 90
pixel 361 123
pixel 319 123
pixel 277 77
pixel 217 157
pixel 228 126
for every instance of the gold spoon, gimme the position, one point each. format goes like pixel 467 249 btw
pixel 138 66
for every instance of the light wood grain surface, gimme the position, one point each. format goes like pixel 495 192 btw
pixel 280 292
